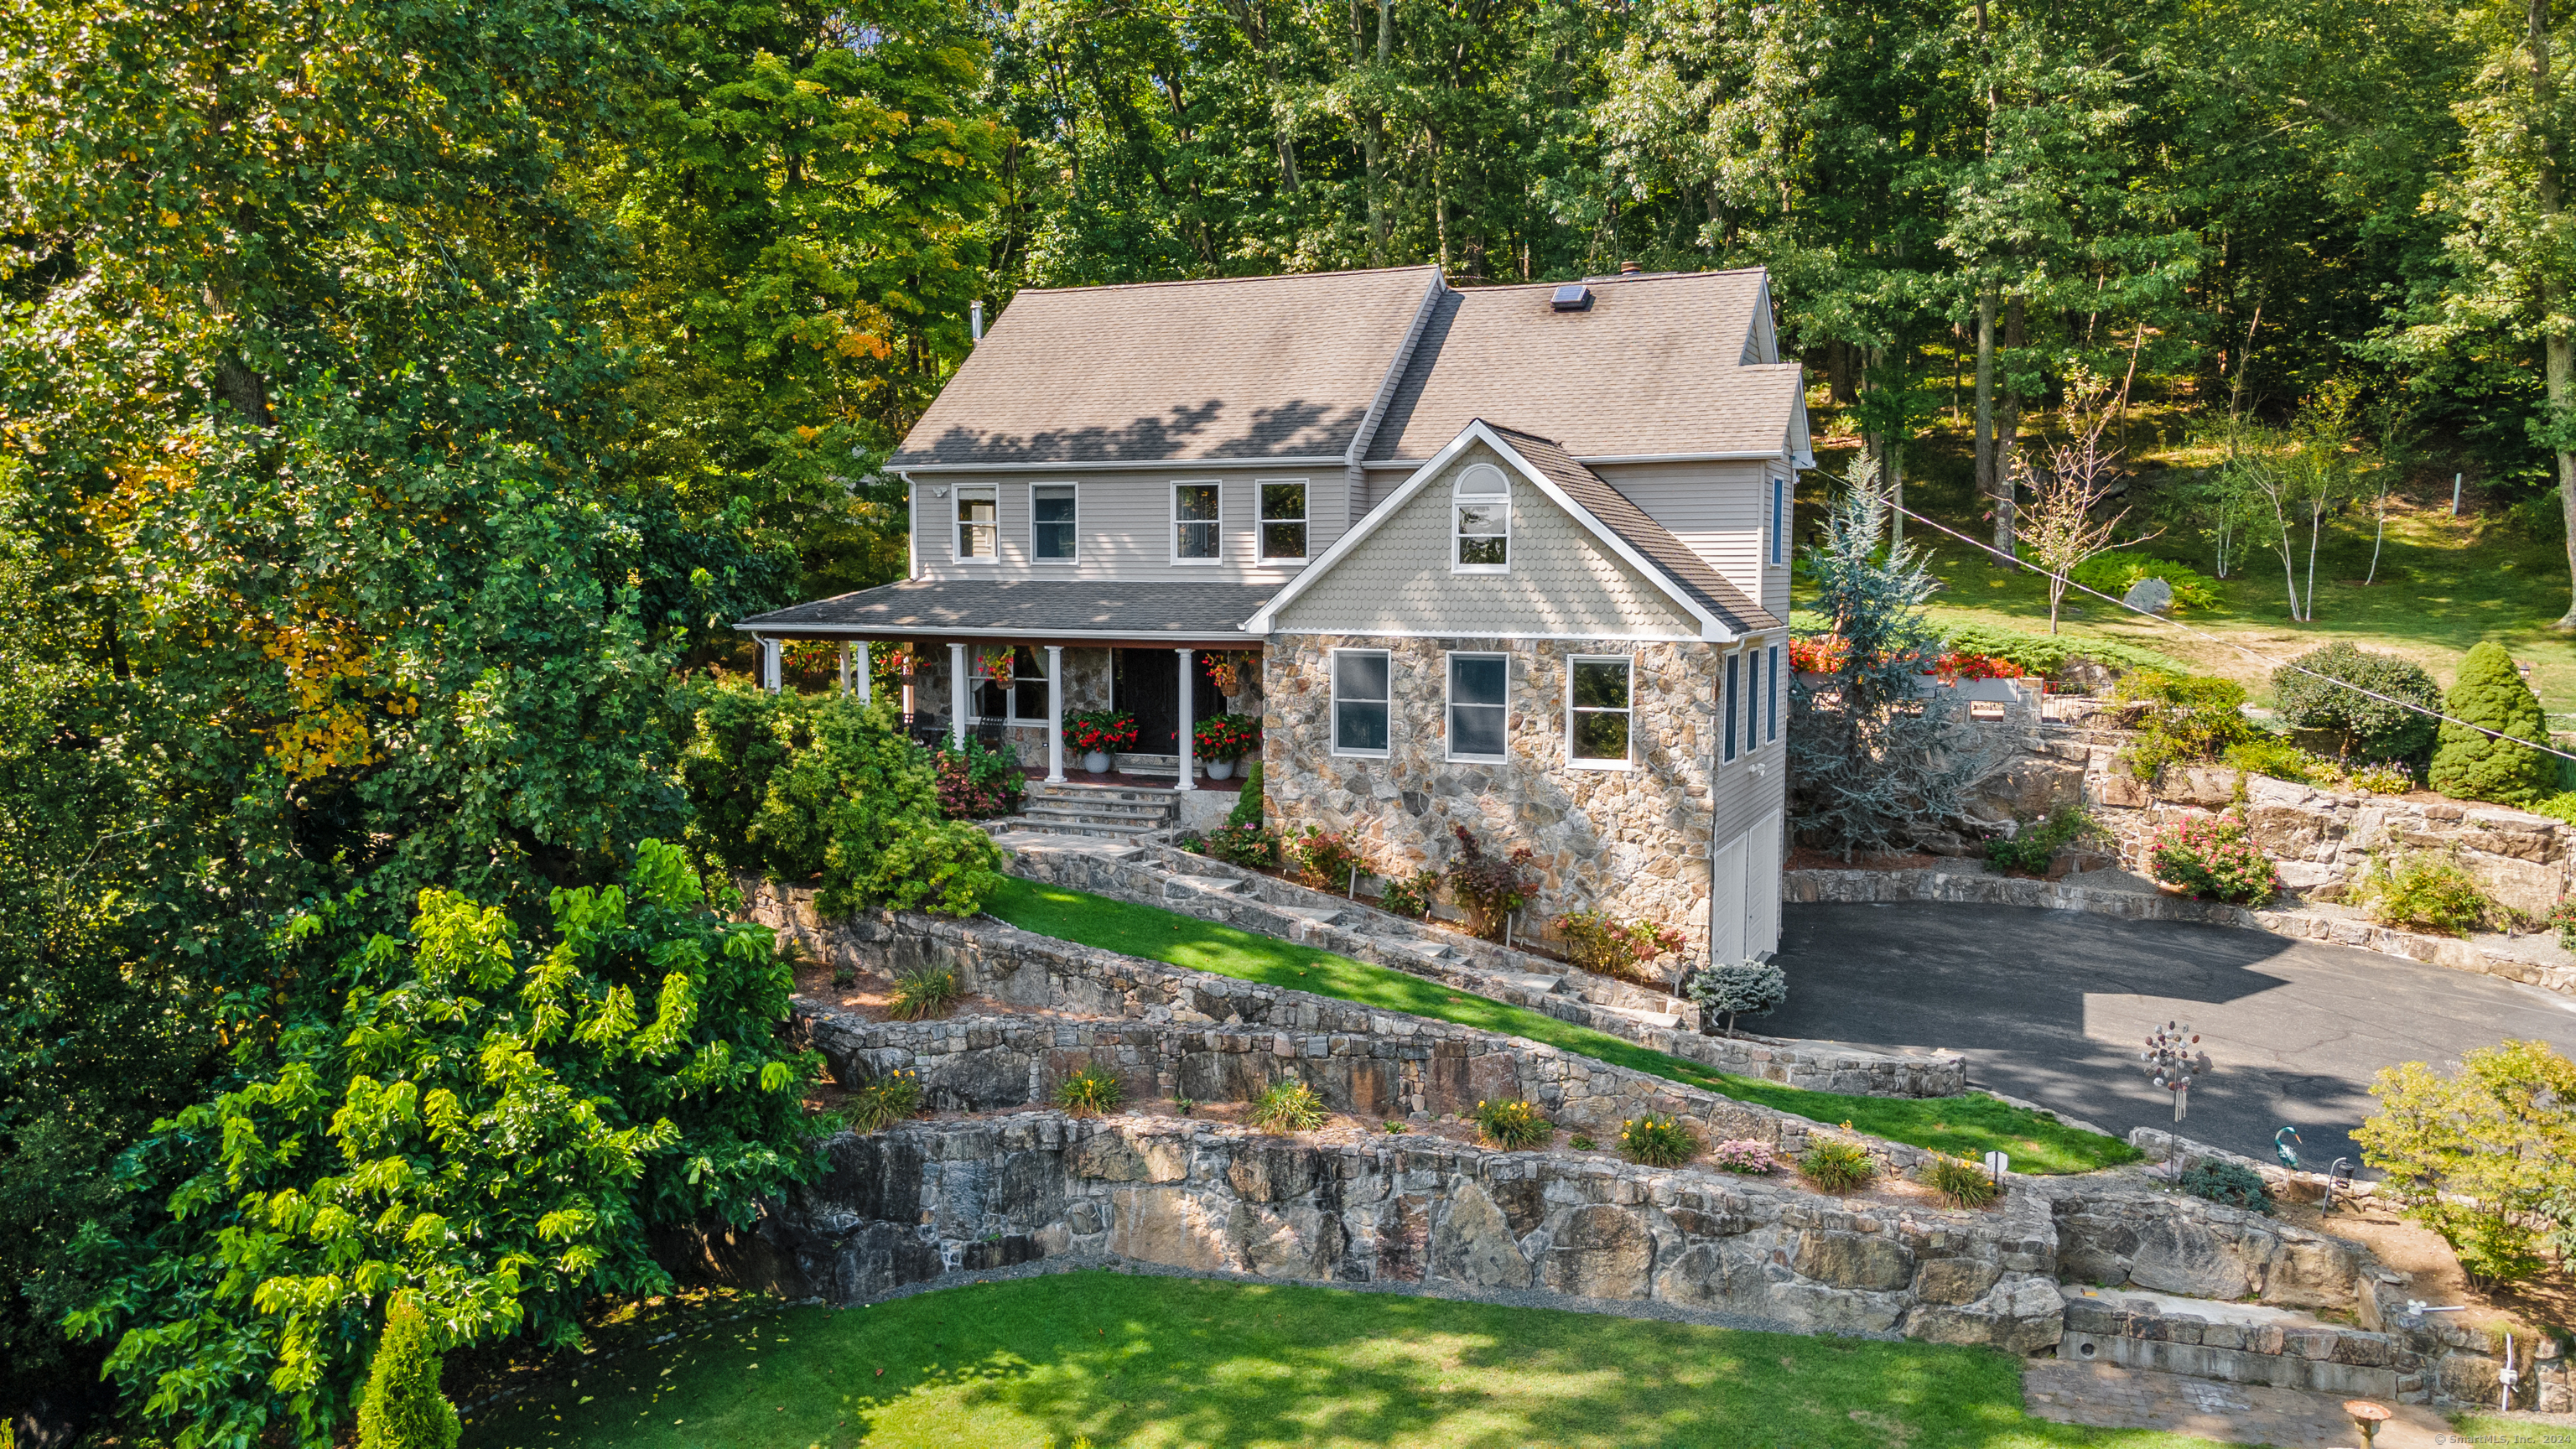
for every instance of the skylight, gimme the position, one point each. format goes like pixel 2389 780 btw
pixel 1572 297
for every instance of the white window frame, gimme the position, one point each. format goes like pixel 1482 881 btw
pixel 1459 499
pixel 1305 522
pixel 1577 762
pixel 958 499
pixel 1034 556
pixel 1218 523
pixel 977 676
pixel 1333 704
pixel 1449 704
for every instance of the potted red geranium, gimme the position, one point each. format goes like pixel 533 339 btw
pixel 1098 733
pixel 1225 738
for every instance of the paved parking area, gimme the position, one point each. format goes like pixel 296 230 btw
pixel 2054 1006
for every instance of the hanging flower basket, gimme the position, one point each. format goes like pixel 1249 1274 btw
pixel 1226 672
pixel 997 663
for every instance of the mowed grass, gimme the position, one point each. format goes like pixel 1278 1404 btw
pixel 1156 1363
pixel 1971 1125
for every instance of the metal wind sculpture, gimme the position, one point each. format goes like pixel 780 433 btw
pixel 2172 1064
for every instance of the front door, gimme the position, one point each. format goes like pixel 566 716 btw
pixel 1147 684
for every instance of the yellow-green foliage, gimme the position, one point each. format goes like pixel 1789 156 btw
pixel 2430 889
pixel 1288 1107
pixel 1837 1164
pixel 1961 1183
pixel 2479 1157
pixel 1090 1091
pixel 403 1408
pixel 822 790
pixel 1658 1140
pixel 2188 717
pixel 1512 1124
pixel 2473 765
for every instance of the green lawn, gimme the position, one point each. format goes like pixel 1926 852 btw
pixel 1970 1125
pixel 2443 584
pixel 1129 1360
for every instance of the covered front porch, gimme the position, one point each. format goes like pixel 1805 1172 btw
pixel 1008 663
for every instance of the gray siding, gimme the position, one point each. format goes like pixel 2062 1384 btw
pixel 1718 510
pixel 1563 582
pixel 1124 523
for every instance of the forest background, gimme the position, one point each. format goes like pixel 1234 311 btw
pixel 398 399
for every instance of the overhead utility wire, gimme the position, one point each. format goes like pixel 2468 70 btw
pixel 2154 617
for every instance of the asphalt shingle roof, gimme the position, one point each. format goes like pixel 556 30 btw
pixel 1654 368
pixel 1029 608
pixel 1243 367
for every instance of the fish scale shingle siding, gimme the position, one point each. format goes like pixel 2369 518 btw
pixel 1562 582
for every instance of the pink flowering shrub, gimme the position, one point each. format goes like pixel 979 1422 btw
pixel 2215 858
pixel 1750 1158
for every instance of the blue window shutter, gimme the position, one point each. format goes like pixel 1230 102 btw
pixel 1727 723
pixel 1775 691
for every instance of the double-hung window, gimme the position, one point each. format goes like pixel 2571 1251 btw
pixel 1283 522
pixel 1194 523
pixel 1479 691
pixel 1008 685
pixel 1597 711
pixel 1771 702
pixel 1726 710
pixel 1051 522
pixel 1480 515
pixel 1359 701
pixel 978 524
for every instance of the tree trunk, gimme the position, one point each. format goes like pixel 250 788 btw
pixel 1989 466
pixel 2007 425
pixel 1372 142
pixel 1843 388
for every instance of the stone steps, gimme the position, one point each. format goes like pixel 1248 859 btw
pixel 1094 810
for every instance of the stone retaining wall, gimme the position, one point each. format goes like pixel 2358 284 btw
pixel 1206 1029
pixel 1969 885
pixel 2169 1243
pixel 986 945
pixel 911 1204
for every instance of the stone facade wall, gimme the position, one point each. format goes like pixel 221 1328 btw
pixel 1039 971
pixel 1635 842
pixel 913 1203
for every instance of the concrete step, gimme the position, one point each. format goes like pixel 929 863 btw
pixel 1532 981
pixel 1122 794
pixel 1013 833
pixel 1132 810
pixel 1313 915
pixel 1427 950
pixel 1215 885
pixel 1663 1020
pixel 1057 825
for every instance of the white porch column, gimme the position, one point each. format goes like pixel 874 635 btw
pixel 862 662
pixel 769 665
pixel 1187 745
pixel 1055 714
pixel 958 696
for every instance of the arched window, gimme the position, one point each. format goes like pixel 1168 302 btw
pixel 1480 521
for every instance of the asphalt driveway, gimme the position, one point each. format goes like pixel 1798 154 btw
pixel 2054 1006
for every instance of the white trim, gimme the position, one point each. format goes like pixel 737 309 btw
pixel 1459 501
pixel 1468 634
pixel 1800 445
pixel 957 526
pixel 1588 459
pixel 1021 632
pixel 1449 704
pixel 1261 555
pixel 1055 705
pixel 1034 560
pixel 1185 741
pixel 1574 761
pixel 1172 520
pixel 1712 628
pixel 1011 716
pixel 1333 704
pixel 1118 465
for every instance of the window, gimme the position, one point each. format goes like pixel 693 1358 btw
pixel 1359 701
pixel 1479 685
pixel 978 523
pixel 1481 520
pixel 1752 700
pixel 1726 711
pixel 1779 519
pixel 1597 712
pixel 1194 523
pixel 1283 521
pixel 1773 705
pixel 1051 522
pixel 1023 700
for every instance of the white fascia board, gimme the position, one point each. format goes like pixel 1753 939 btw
pixel 943 631
pixel 1130 465
pixel 1710 625
pixel 1800 442
pixel 1746 455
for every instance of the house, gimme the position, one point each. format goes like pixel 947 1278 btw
pixel 1513 557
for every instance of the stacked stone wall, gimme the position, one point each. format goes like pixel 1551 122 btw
pixel 1029 970
pixel 1632 842
pixel 913 1204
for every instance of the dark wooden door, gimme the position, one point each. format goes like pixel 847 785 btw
pixel 1147 684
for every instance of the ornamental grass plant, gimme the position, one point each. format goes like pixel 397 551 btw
pixel 1658 1139
pixel 1512 1124
pixel 923 993
pixel 1959 1182
pixel 1837 1164
pixel 1288 1107
pixel 893 1097
pixel 1090 1091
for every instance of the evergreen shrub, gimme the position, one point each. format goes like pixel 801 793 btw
pixel 2365 727
pixel 1747 988
pixel 2227 1182
pixel 2470 764
pixel 403 1408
